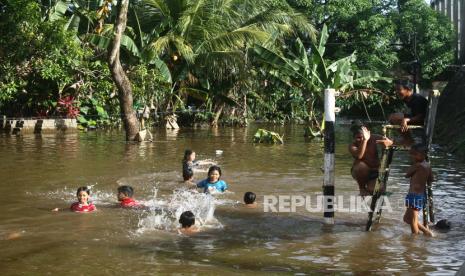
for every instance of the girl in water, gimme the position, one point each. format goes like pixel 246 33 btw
pixel 82 205
pixel 188 162
pixel 213 182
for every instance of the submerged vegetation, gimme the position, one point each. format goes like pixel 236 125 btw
pixel 266 136
pixel 213 61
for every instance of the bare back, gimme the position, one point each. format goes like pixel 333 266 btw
pixel 420 174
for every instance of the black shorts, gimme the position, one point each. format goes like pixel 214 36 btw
pixel 373 174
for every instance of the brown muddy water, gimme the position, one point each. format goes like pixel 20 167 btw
pixel 40 172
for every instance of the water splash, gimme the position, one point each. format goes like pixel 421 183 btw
pixel 68 195
pixel 164 214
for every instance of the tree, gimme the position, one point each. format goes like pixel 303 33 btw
pixel 119 76
pixel 364 26
pixel 204 43
pixel 387 34
pixel 39 60
pixel 312 73
pixel 427 36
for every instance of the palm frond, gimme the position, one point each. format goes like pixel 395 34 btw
pixel 237 38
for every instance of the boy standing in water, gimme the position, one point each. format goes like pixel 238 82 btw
pixel 420 174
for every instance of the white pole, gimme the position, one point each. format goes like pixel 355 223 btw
pixel 329 140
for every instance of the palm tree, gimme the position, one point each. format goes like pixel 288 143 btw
pixel 205 42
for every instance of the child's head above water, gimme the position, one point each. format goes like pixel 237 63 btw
pixel 187 219
pixel 189 155
pixel 418 152
pixel 249 198
pixel 188 175
pixel 125 192
pixel 214 174
pixel 83 194
pixel 443 225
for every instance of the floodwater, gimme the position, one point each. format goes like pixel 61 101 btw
pixel 41 172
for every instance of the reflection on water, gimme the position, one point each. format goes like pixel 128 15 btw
pixel 40 172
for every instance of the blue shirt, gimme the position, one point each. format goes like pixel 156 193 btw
pixel 219 185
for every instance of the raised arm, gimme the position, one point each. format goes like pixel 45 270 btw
pixel 359 152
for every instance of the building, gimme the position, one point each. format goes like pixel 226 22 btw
pixel 455 10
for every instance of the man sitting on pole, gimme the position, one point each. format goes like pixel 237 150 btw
pixel 417 104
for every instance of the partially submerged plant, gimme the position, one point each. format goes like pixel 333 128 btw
pixel 266 136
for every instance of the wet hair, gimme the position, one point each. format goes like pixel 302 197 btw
pixel 187 219
pixel 214 168
pixel 249 197
pixel 126 190
pixel 406 84
pixel 420 147
pixel 187 153
pixel 356 127
pixel 83 188
pixel 187 174
pixel 443 224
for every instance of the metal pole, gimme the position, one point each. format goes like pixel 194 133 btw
pixel 329 140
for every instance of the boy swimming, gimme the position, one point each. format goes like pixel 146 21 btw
pixel 188 177
pixel 213 182
pixel 249 200
pixel 125 197
pixel 187 221
pixel 420 175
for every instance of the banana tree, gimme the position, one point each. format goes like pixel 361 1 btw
pixel 204 42
pixel 309 71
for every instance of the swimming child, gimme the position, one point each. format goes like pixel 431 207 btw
pixel 365 169
pixel 125 197
pixel 187 221
pixel 188 177
pixel 249 200
pixel 213 182
pixel 82 205
pixel 443 225
pixel 188 162
pixel 420 174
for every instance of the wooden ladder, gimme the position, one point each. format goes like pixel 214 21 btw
pixel 386 160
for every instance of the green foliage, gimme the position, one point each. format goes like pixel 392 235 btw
pixel 418 24
pixel 266 136
pixel 39 59
pixel 248 59
pixel 312 73
pixel 364 26
pixel 93 114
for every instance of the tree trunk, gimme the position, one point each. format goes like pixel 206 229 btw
pixel 119 76
pixel 217 115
